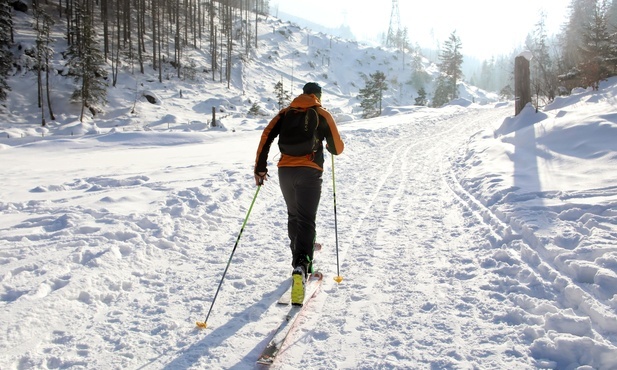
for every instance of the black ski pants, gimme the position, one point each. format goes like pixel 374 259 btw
pixel 301 188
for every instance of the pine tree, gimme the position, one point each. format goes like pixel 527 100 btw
pixel 371 95
pixel 611 15
pixel 596 48
pixel 419 76
pixel 487 75
pixel 6 58
pixel 543 78
pixel 581 14
pixel 442 92
pixel 450 66
pixel 421 99
pixel 255 109
pixel 86 62
pixel 282 95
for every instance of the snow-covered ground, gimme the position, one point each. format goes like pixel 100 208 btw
pixel 467 238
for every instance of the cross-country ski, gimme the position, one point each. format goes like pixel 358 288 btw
pixel 277 342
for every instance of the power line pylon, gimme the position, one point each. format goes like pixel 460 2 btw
pixel 395 24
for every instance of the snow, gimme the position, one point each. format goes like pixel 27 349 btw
pixel 467 237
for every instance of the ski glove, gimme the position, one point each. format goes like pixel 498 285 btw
pixel 260 178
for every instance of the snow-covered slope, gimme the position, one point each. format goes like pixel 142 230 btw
pixel 285 53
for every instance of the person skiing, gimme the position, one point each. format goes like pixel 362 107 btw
pixel 300 175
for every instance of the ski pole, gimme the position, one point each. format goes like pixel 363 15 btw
pixel 204 324
pixel 338 278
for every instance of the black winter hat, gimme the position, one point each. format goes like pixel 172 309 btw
pixel 312 88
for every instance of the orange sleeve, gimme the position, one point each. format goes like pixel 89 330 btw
pixel 333 138
pixel 267 137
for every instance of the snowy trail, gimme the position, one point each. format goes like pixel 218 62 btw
pixel 135 282
pixel 110 264
pixel 402 226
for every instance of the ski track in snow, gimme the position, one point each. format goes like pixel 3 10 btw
pixel 415 242
pixel 434 275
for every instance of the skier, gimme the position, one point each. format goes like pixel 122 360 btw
pixel 300 178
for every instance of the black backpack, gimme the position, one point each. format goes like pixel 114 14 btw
pixel 298 135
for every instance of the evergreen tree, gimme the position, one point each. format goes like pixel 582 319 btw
pixel 571 40
pixel 442 92
pixel 419 76
pixel 487 75
pixel 596 48
pixel 450 66
pixel 543 78
pixel 6 58
pixel 282 95
pixel 255 109
pixel 371 95
pixel 86 61
pixel 421 99
pixel 611 23
pixel 611 16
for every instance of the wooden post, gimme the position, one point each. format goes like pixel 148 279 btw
pixel 213 124
pixel 522 83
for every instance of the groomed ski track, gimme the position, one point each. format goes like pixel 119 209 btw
pixel 414 293
pixel 410 240
pixel 411 247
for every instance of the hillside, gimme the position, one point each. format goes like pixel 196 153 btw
pixel 285 53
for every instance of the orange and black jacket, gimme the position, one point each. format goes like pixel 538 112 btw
pixel 326 130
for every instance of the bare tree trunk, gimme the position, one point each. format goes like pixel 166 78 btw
pixel 127 22
pixel 51 112
pixel 214 51
pixel 195 21
pixel 105 18
pixel 115 60
pixel 177 43
pixel 83 107
pixel 39 81
pixel 229 51
pixel 47 67
pixel 117 27
pixel 221 59
pixel 69 24
pixel 140 33
pixel 200 23
pixel 154 12
pixel 167 26
pixel 160 20
pixel 38 58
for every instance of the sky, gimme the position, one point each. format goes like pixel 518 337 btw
pixel 485 27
